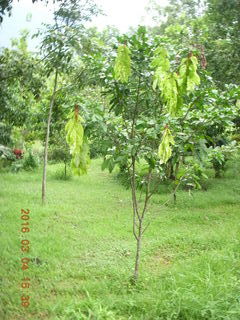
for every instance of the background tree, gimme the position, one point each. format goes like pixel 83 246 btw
pixel 59 43
pixel 211 25
pixel 22 79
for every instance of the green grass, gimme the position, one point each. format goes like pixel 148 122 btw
pixel 82 251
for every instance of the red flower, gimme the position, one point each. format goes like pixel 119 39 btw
pixel 18 153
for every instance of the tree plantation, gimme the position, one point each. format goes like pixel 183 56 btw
pixel 120 165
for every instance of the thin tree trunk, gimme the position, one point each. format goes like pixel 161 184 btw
pixel 177 168
pixel 171 174
pixel 139 217
pixel 65 170
pixel 44 178
pixel 136 214
pixel 136 218
pixel 138 252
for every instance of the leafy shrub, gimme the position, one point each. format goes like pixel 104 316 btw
pixel 37 149
pixel 193 176
pixel 63 173
pixel 7 157
pixel 95 149
pixel 220 155
pixel 59 154
pixel 16 166
pixel 123 176
pixel 6 153
pixel 30 161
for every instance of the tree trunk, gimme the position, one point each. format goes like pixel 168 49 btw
pixel 65 170
pixel 138 252
pixel 44 178
pixel 171 173
pixel 177 168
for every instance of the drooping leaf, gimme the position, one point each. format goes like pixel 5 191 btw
pixel 170 93
pixel 174 85
pixel 81 160
pixel 166 80
pixel 188 78
pixel 161 64
pixel 78 144
pixel 165 149
pixel 122 67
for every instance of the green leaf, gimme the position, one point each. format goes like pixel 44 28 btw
pixel 105 164
pixel 161 64
pixel 188 78
pixel 170 93
pixel 78 144
pixel 122 67
pixel 166 81
pixel 165 150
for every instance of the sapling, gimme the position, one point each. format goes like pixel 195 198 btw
pixel 60 43
pixel 143 112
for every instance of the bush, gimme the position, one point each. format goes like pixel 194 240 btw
pixel 220 155
pixel 6 153
pixel 63 173
pixel 7 157
pixel 37 149
pixel 30 161
pixel 193 176
pixel 58 154
pixel 95 149
pixel 16 166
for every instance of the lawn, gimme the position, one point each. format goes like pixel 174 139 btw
pixel 82 250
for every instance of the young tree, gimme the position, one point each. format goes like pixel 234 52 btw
pixel 21 81
pixel 145 91
pixel 59 45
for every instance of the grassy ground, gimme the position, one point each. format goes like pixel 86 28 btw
pixel 82 251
